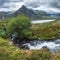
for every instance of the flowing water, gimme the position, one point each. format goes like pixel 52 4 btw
pixel 53 46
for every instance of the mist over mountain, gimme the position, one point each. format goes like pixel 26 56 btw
pixel 45 5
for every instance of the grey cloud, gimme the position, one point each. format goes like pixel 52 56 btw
pixel 56 4
pixel 32 3
pixel 6 1
pixel 2 2
pixel 37 3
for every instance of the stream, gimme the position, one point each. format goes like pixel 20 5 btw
pixel 53 45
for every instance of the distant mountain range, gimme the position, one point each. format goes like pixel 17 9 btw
pixel 32 14
pixel 55 15
pixel 5 14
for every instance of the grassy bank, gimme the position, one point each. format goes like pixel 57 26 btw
pixel 50 30
pixel 10 52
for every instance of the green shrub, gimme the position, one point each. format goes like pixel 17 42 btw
pixel 3 30
pixel 19 26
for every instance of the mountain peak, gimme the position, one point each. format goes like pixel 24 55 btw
pixel 27 12
pixel 24 7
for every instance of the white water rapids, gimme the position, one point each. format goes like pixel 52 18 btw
pixel 51 45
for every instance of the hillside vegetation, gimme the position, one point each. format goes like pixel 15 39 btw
pixel 50 30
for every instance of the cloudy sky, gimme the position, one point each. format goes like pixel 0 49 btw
pixel 45 5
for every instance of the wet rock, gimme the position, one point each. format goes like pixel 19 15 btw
pixel 32 43
pixel 45 47
pixel 57 41
pixel 24 47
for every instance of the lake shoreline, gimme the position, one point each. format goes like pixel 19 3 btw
pixel 42 21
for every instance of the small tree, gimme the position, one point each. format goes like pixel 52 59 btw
pixel 20 27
